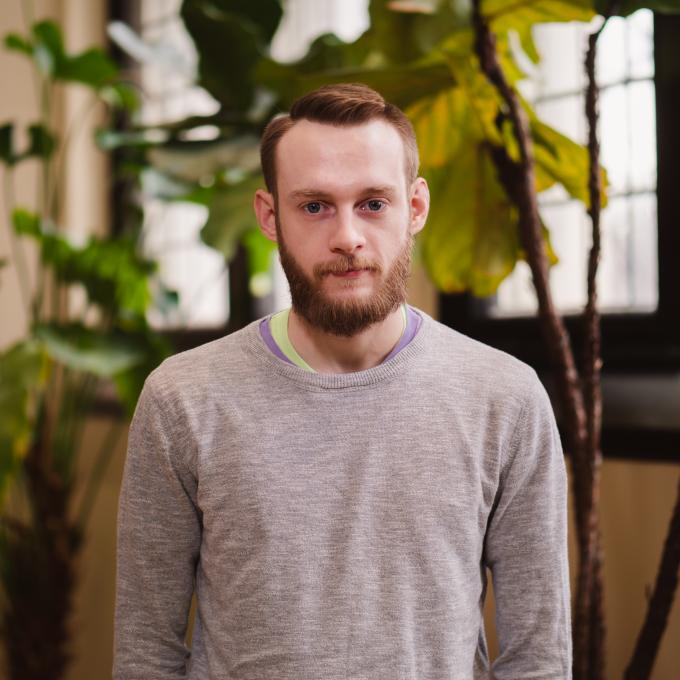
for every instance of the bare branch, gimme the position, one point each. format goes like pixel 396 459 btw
pixel 660 604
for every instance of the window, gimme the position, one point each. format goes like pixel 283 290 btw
pixel 638 277
pixel 627 277
pixel 171 231
pixel 640 333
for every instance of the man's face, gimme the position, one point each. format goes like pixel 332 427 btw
pixel 344 221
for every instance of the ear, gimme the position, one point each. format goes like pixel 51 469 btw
pixel 419 205
pixel 265 211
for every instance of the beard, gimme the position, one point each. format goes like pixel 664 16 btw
pixel 351 316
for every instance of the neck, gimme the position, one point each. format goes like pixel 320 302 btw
pixel 328 353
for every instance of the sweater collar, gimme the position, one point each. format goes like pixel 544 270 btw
pixel 334 381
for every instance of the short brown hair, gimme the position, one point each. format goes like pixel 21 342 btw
pixel 343 104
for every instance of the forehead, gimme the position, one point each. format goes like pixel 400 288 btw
pixel 333 158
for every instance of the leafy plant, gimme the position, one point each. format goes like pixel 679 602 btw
pixel 49 380
pixel 453 67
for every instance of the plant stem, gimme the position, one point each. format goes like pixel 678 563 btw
pixel 76 125
pixel 20 259
pixel 589 614
pixel 519 182
pixel 649 639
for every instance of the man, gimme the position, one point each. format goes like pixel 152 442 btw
pixel 334 480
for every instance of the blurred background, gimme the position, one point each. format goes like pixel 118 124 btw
pixel 130 156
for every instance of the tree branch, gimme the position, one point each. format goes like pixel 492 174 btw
pixel 519 182
pixel 660 604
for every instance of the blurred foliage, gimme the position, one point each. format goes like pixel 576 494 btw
pixel 49 379
pixel 420 56
pixel 112 272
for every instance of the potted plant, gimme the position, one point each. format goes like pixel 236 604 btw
pixel 50 379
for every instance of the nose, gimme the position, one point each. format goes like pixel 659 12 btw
pixel 347 236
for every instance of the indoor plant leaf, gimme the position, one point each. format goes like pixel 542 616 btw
pixel 401 85
pixel 559 159
pixel 192 161
pixel 503 15
pixel 112 271
pixel 91 67
pixel 231 215
pixel 17 43
pixel 85 349
pixel 259 250
pixel 232 35
pixel 42 142
pixel 22 369
pixel 7 153
pixel 471 239
pixel 48 46
pixel 626 7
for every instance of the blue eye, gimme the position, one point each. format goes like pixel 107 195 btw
pixel 374 205
pixel 313 208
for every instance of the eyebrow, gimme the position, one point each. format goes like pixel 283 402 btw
pixel 385 190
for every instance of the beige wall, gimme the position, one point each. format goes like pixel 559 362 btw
pixel 637 498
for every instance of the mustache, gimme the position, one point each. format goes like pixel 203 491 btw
pixel 345 264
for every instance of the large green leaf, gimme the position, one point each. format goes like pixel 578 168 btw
pixel 559 159
pixel 467 113
pixel 521 16
pixel 41 143
pixel 91 67
pixel 113 273
pixel 48 47
pixel 232 35
pixel 17 43
pixel 27 223
pixel 263 15
pixel 471 238
pixel 85 349
pixel 23 369
pixel 503 15
pixel 401 85
pixel 626 7
pixel 394 33
pixel 194 161
pixel 450 121
pixel 7 153
pixel 457 116
pixel 231 215
pixel 259 250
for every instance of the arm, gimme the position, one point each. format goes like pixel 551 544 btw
pixel 526 550
pixel 159 536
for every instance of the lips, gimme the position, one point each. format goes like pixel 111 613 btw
pixel 350 274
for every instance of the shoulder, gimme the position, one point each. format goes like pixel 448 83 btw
pixel 201 369
pixel 482 368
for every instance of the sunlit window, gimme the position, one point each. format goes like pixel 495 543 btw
pixel 627 278
pixel 172 230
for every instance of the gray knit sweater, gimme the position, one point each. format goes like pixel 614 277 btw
pixel 339 526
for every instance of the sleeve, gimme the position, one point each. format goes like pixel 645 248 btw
pixel 159 536
pixel 526 550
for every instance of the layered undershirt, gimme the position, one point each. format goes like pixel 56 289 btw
pixel 274 332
